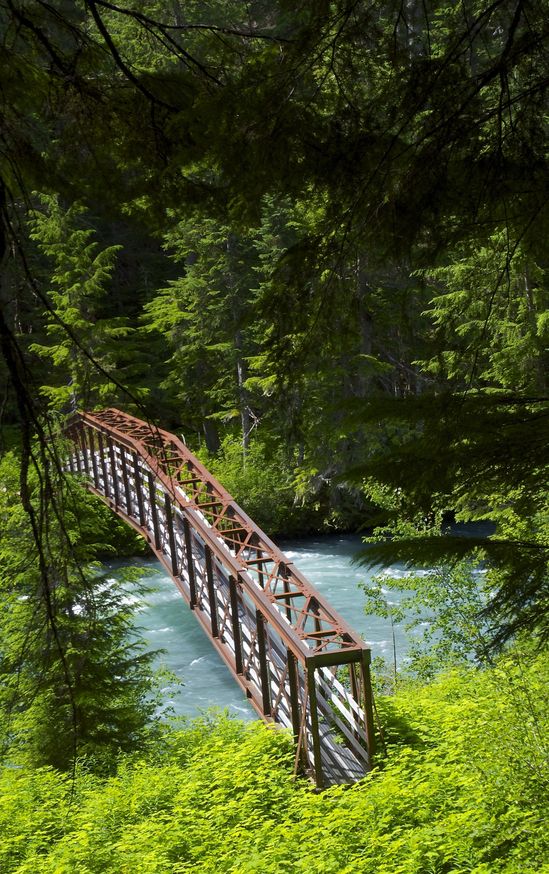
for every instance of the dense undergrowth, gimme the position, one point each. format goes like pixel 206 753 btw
pixel 463 788
pixel 267 471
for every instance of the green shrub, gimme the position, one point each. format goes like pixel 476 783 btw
pixel 262 483
pixel 467 793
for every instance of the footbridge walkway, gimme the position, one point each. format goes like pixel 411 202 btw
pixel 298 662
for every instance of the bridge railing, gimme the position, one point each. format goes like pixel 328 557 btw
pixel 297 661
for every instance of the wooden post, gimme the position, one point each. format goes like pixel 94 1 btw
pixel 190 562
pixel 139 489
pixel 294 694
pixel 263 665
pixel 211 591
pixel 126 480
pixel 235 621
pixel 114 472
pixel 154 511
pixel 106 486
pixel 368 703
pixel 317 758
pixel 355 690
pixel 354 685
pixel 171 535
pixel 85 451
pixel 94 461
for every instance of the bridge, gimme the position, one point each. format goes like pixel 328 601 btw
pixel 297 661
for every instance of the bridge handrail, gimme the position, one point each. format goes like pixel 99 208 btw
pixel 218 548
pixel 130 431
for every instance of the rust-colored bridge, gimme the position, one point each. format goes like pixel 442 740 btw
pixel 296 659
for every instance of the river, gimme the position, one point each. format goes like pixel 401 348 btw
pixel 166 623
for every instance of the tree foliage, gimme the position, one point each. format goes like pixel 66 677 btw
pixel 75 679
pixel 356 199
pixel 312 235
pixel 77 339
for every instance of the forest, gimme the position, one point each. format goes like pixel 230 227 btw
pixel 311 239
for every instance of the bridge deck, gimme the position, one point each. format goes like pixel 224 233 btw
pixel 296 659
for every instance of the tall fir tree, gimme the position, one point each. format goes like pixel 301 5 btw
pixel 76 679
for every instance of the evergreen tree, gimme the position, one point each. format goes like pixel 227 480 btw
pixel 205 316
pixel 75 678
pixel 475 444
pixel 408 130
pixel 83 345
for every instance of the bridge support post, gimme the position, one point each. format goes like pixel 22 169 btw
pixel 84 446
pixel 294 694
pixel 106 485
pixel 263 666
pixel 211 591
pixel 154 511
pixel 113 471
pixel 126 481
pixel 313 706
pixel 353 680
pixel 138 489
pixel 171 535
pixel 235 621
pixel 190 562
pixel 96 480
pixel 368 704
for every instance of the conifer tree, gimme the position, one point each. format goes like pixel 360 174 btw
pixel 81 339
pixel 411 128
pixel 75 678
pixel 206 316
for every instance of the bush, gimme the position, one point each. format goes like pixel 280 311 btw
pixel 467 792
pixel 263 484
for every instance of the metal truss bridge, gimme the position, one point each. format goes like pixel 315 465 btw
pixel 298 662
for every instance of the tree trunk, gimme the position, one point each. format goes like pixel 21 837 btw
pixel 365 322
pixel 211 437
pixel 241 372
pixel 245 418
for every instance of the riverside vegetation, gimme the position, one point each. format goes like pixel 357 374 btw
pixel 462 788
pixel 461 782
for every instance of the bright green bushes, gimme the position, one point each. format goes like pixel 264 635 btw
pixel 264 486
pixel 467 794
pixel 160 815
